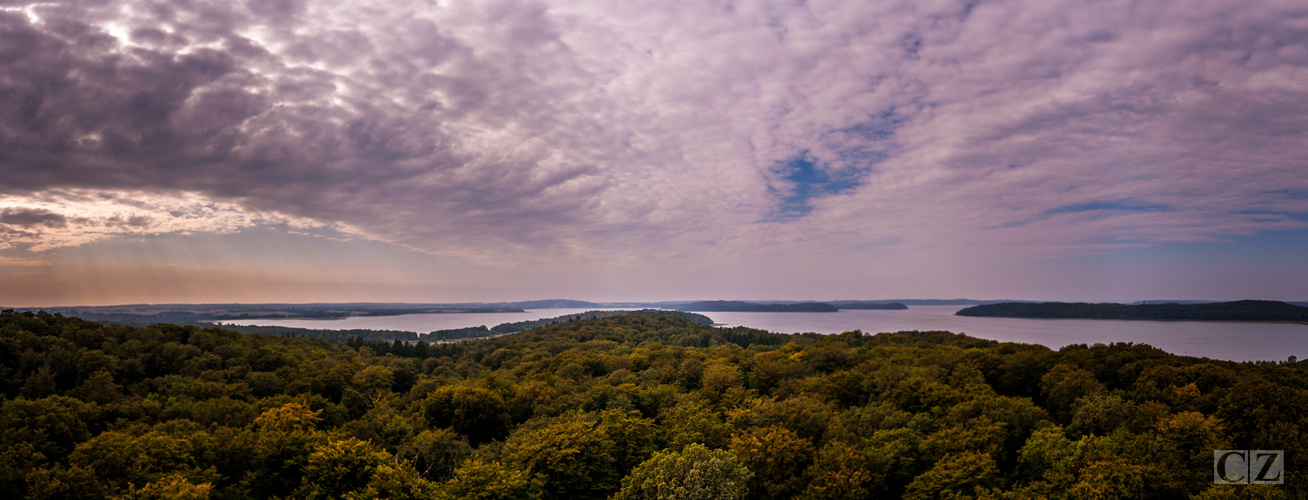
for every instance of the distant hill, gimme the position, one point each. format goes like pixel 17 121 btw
pixel 548 304
pixel 867 304
pixel 1243 310
pixel 737 306
pixel 837 303
pixel 147 314
pixel 1143 302
pixel 507 328
pixel 948 302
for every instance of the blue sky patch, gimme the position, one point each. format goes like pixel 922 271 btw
pixel 1116 206
pixel 806 181
pixel 1289 194
pixel 859 148
pixel 1091 206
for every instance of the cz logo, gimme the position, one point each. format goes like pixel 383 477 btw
pixel 1249 467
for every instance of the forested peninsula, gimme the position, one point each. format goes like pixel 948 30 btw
pixel 643 405
pixel 1243 310
pixel 147 314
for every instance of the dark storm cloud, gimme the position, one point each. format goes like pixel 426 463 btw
pixel 27 218
pixel 340 125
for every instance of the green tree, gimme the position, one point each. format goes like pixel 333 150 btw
pixel 435 453
pixel 1100 415
pixel 223 411
pixel 171 487
pixel 123 461
pixel 1181 450
pixel 900 448
pixel 395 482
pixel 960 475
pixel 573 459
pixel 719 377
pixel 842 472
pixel 632 437
pixel 477 479
pixel 60 483
pixel 285 438
pixel 979 434
pixel 1112 479
pixel 374 380
pixel 477 413
pixel 1244 492
pixel 1066 383
pixel 694 473
pixel 385 426
pixel 52 425
pixel 777 456
pixel 692 422
pixel 1049 455
pixel 98 388
pixel 39 384
pixel 288 417
pixel 340 466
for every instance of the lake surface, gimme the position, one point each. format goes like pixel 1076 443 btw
pixel 421 323
pixel 1217 340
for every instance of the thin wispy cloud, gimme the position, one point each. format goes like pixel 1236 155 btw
pixel 63 218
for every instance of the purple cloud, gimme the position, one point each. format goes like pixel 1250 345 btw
pixel 643 131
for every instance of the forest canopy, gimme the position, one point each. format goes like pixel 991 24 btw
pixel 634 406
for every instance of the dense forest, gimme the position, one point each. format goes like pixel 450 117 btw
pixel 635 406
pixel 1242 310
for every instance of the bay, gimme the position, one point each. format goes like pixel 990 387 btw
pixel 1226 340
pixel 1217 340
pixel 420 323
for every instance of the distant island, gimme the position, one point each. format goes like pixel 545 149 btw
pixel 475 332
pixel 738 306
pixel 866 304
pixel 1242 310
pixel 470 310
pixel 455 334
pixel 147 314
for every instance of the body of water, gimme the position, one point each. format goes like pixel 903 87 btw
pixel 1217 340
pixel 421 323
pixel 1210 339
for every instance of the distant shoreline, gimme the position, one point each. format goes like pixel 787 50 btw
pixel 1243 311
pixel 802 307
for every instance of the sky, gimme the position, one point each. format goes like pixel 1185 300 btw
pixel 445 151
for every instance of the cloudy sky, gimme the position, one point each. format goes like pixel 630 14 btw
pixel 459 150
